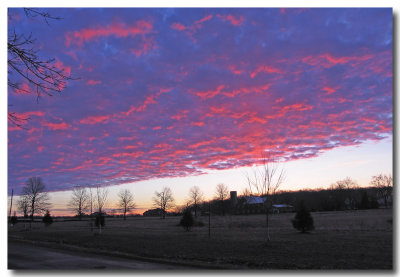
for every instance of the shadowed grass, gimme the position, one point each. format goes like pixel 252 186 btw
pixel 341 240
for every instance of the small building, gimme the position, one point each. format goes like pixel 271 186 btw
pixel 251 200
pixel 250 205
pixel 256 205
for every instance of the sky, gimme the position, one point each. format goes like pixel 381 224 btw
pixel 183 97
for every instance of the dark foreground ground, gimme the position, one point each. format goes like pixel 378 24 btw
pixel 341 240
pixel 25 255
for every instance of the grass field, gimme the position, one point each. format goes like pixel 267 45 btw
pixel 341 240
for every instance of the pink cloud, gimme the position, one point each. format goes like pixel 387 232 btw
pixel 35 113
pixel 119 30
pixel 180 115
pixel 95 119
pixel 24 88
pixel 93 82
pixel 60 66
pixel 57 126
pixel 209 93
pixel 145 46
pixel 191 29
pixel 234 70
pixel 197 124
pixel 232 19
pixel 329 90
pixel 327 60
pixel 150 99
pixel 178 26
pixel 204 19
pixel 245 90
pixel 266 69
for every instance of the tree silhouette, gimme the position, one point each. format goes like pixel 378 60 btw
pixel 47 219
pixel 195 197
pixel 265 182
pixel 126 201
pixel 42 77
pixel 79 201
pixel 303 220
pixel 99 221
pixel 222 193
pixel 37 198
pixel 14 219
pixel 100 201
pixel 164 200
pixel 23 205
pixel 364 203
pixel 384 184
pixel 187 220
pixel 349 186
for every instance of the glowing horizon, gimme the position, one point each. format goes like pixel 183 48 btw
pixel 191 93
pixel 334 165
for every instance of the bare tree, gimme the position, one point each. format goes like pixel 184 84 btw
pixel 196 196
pixel 164 200
pixel 100 201
pixel 222 193
pixel 384 184
pixel 23 205
pixel 37 198
pixel 349 186
pixel 90 205
pixel 181 208
pixel 79 201
pixel 101 198
pixel 245 192
pixel 126 201
pixel 337 195
pixel 264 182
pixel 42 77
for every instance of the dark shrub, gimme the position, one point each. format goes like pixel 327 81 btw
pixel 198 223
pixel 14 220
pixel 99 220
pixel 364 203
pixel 187 220
pixel 303 220
pixel 47 219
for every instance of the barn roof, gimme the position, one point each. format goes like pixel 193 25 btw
pixel 254 200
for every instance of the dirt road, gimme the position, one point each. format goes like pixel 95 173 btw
pixel 23 255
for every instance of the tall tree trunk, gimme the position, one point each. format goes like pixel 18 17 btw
pixel 267 221
pixel 33 208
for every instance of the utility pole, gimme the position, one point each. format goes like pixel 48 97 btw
pixel 12 193
pixel 209 219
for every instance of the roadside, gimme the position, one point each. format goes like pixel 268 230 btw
pixel 24 254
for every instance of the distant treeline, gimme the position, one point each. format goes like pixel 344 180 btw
pixel 334 199
pixel 315 200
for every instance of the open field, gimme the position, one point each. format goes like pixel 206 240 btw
pixel 341 240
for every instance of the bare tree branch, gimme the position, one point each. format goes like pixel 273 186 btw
pixel 265 182
pixel 126 201
pixel 79 201
pixel 39 76
pixel 195 197
pixel 384 184
pixel 34 191
pixel 164 200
